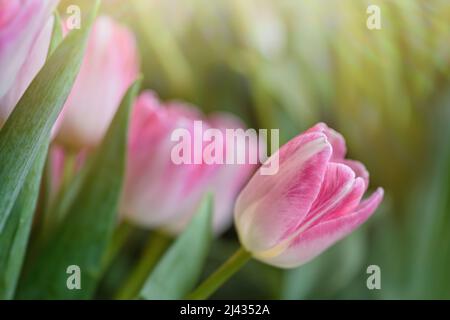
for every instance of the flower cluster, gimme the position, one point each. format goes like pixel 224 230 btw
pixel 284 219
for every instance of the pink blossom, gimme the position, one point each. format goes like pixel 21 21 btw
pixel 25 34
pixel 160 193
pixel 108 69
pixel 313 201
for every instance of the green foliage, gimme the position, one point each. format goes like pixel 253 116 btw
pixel 180 268
pixel 29 125
pixel 14 237
pixel 276 64
pixel 83 236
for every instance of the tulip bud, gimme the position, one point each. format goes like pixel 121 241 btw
pixel 227 180
pixel 161 193
pixel 109 67
pixel 312 202
pixel 25 34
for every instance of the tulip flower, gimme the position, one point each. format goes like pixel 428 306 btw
pixel 230 178
pixel 227 179
pixel 25 33
pixel 161 193
pixel 108 69
pixel 314 201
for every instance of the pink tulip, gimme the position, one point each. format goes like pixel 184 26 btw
pixel 160 193
pixel 312 202
pixel 25 33
pixel 231 178
pixel 108 69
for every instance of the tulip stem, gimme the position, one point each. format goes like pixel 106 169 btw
pixel 221 275
pixel 51 218
pixel 120 237
pixel 155 247
pixel 68 169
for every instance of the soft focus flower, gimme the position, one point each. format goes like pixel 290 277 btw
pixel 25 33
pixel 109 67
pixel 160 193
pixel 230 178
pixel 312 202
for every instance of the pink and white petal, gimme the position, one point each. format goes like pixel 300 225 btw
pixel 314 241
pixel 359 169
pixel 153 181
pixel 20 24
pixel 269 206
pixel 347 204
pixel 291 154
pixel 109 66
pixel 145 196
pixel 31 66
pixel 336 140
pixel 235 175
pixel 337 184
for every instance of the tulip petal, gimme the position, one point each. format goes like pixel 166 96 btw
pixel 359 169
pixel 271 205
pixel 233 176
pixel 336 140
pixel 346 204
pixel 109 67
pixel 337 184
pixel 28 71
pixel 315 240
pixel 20 24
pixel 157 191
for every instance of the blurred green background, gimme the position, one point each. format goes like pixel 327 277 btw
pixel 290 63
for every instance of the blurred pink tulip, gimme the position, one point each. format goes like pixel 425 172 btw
pixel 312 202
pixel 109 67
pixel 160 193
pixel 25 34
pixel 231 178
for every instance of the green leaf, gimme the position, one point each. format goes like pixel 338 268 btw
pixel 56 39
pixel 29 125
pixel 57 34
pixel 14 238
pixel 179 269
pixel 83 236
pixel 429 209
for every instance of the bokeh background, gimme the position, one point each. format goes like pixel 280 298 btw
pixel 288 64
